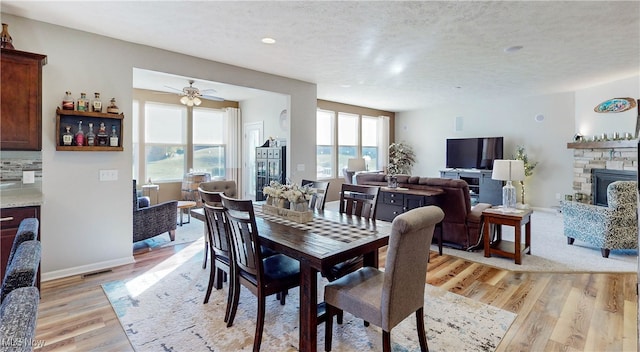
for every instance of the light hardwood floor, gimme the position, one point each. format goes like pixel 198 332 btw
pixel 556 312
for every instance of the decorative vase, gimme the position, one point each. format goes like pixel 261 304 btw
pixel 5 38
pixel 269 200
pixel 299 206
pixel 392 181
pixel 280 203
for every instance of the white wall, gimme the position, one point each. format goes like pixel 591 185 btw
pixel 590 123
pixel 427 130
pixel 86 224
pixel 545 142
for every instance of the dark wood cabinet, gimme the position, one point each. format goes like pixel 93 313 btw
pixel 482 188
pixel 11 218
pixel 391 204
pixel 21 97
pixel 271 165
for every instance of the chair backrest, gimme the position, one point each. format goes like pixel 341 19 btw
pixel 359 200
pixel 348 175
pixel 623 194
pixel 318 199
pixel 243 234
pixel 218 232
pixel 406 263
pixel 229 188
pixel 27 231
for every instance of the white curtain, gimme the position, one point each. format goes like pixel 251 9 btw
pixel 233 140
pixel 383 140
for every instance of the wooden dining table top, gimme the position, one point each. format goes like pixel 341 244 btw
pixel 329 239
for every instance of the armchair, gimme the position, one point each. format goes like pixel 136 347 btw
pixel 154 220
pixel 612 227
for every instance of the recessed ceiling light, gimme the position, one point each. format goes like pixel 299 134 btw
pixel 268 40
pixel 513 49
pixel 345 85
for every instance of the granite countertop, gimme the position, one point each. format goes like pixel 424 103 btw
pixel 15 198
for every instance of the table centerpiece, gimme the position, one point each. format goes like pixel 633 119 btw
pixel 289 201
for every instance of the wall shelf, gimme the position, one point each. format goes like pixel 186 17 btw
pixel 71 118
pixel 631 143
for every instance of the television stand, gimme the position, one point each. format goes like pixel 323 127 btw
pixel 482 188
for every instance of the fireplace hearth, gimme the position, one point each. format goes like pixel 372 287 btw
pixel 601 178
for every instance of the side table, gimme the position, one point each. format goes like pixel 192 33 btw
pixel 494 218
pixel 185 205
pixel 146 191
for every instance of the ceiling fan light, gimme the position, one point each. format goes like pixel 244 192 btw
pixel 190 102
pixel 184 100
pixel 197 101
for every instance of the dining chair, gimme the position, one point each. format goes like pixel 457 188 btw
pixel 221 266
pixel 319 198
pixel 262 276
pixel 229 188
pixel 386 298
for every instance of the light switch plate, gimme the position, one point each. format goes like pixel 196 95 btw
pixel 108 175
pixel 28 177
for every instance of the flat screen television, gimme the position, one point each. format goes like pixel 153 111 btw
pixel 473 153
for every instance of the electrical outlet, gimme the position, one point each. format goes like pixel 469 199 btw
pixel 28 177
pixel 108 175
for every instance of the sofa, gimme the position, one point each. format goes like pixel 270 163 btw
pixel 152 220
pixel 462 224
pixel 19 296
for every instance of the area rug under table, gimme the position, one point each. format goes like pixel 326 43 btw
pixel 162 309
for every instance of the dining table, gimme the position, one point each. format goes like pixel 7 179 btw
pixel 330 238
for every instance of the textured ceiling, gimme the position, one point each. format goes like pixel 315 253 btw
pixel 392 55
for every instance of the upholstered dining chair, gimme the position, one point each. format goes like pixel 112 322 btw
pixel 319 198
pixel 229 188
pixel 218 242
pixel 262 276
pixel 612 227
pixel 386 298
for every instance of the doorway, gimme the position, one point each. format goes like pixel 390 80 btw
pixel 253 133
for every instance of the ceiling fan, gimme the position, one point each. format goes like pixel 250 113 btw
pixel 191 95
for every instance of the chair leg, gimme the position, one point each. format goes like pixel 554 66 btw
pixel 210 285
pixel 386 341
pixel 282 296
pixel 172 235
pixel 570 240
pixel 230 298
pixel 219 277
pixel 257 340
pixel 605 252
pixel 422 335
pixel 234 302
pixel 328 327
pixel 206 253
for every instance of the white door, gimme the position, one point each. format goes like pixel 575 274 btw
pixel 253 133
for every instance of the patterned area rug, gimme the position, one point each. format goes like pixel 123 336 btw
pixel 162 310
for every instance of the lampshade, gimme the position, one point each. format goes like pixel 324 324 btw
pixel 508 170
pixel 356 164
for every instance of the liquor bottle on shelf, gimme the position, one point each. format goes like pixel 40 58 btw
pixel 96 104
pixel 67 137
pixel 67 102
pixel 91 137
pixel 103 137
pixel 113 139
pixel 83 103
pixel 113 108
pixel 79 135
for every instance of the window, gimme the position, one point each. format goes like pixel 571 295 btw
pixel 347 138
pixel 344 135
pixel 165 141
pixel 325 142
pixel 208 141
pixel 370 141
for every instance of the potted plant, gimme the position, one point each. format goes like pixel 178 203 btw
pixel 401 159
pixel 521 154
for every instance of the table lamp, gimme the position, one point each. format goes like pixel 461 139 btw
pixel 508 170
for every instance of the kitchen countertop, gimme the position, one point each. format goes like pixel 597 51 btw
pixel 15 198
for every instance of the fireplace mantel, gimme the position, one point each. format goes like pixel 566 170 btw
pixel 632 143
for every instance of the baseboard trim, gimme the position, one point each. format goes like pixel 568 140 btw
pixel 83 269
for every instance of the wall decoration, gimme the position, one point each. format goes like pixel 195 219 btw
pixel 615 105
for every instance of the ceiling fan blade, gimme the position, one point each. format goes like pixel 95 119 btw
pixel 176 89
pixel 211 97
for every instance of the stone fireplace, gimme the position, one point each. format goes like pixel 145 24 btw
pixel 614 160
